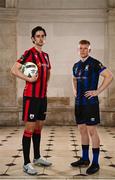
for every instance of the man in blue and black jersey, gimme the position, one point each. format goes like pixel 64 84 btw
pixel 85 79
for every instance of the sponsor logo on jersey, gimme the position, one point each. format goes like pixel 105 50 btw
pixel 42 64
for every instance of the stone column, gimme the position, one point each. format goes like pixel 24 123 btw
pixel 111 37
pixel 108 112
pixel 8 103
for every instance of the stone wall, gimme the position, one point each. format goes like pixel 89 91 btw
pixel 64 28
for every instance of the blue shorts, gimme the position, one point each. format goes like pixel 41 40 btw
pixel 87 114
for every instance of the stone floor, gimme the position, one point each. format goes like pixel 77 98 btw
pixel 61 146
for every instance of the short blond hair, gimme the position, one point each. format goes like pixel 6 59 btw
pixel 84 42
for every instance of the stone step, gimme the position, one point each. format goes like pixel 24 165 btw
pixel 58 101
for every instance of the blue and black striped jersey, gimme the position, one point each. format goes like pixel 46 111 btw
pixel 87 75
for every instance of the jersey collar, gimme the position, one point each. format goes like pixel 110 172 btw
pixel 85 60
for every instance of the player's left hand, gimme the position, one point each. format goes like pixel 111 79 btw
pixel 90 94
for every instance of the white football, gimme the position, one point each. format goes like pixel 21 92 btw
pixel 29 69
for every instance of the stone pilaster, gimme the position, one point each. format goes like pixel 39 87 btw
pixel 108 111
pixel 8 104
pixel 111 53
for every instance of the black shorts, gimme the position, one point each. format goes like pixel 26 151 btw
pixel 87 114
pixel 34 109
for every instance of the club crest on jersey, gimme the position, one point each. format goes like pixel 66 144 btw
pixel 87 67
pixel 31 116
pixel 35 55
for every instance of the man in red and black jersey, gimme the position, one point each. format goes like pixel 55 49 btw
pixel 34 98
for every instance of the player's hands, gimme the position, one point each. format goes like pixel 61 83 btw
pixel 90 94
pixel 33 78
pixel 75 92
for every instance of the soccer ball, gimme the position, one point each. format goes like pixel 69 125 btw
pixel 29 69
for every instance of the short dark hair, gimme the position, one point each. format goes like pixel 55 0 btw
pixel 37 28
pixel 84 42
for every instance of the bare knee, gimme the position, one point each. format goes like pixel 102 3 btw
pixel 39 125
pixel 92 131
pixel 83 129
pixel 30 126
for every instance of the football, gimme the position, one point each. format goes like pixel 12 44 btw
pixel 29 69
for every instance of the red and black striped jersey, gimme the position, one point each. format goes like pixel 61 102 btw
pixel 41 59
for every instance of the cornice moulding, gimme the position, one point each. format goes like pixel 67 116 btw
pixel 97 15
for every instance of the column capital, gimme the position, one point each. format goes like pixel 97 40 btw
pixel 11 3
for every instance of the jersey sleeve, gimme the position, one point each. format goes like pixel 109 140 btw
pixel 74 69
pixel 24 57
pixel 99 67
pixel 49 64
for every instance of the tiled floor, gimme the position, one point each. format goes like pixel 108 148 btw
pixel 61 146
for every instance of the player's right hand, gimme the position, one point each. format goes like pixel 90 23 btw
pixel 75 92
pixel 33 78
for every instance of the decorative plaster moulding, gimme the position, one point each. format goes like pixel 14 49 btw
pixel 8 14
pixel 97 15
